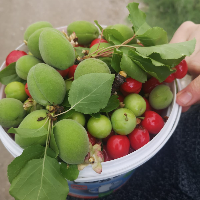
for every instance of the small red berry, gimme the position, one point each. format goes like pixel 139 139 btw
pixel 105 154
pixel 105 140
pixel 118 146
pixel 96 41
pixel 153 122
pixel 92 139
pixel 13 56
pixel 63 73
pixel 170 78
pixel 181 69
pixel 131 86
pixel 149 85
pixel 27 91
pixel 148 106
pixel 139 137
pixel 71 71
pixel 121 98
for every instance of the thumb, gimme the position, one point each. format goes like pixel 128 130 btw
pixel 189 95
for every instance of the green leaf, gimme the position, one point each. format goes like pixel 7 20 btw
pixel 70 172
pixel 132 69
pixel 32 152
pixel 111 35
pixel 91 92
pixel 9 75
pixel 40 179
pixel 138 19
pixel 96 115
pixel 154 68
pixel 113 103
pixel 169 51
pixel 29 133
pixel 66 115
pixel 153 36
pixel 116 59
pixel 79 50
pixel 66 101
pixel 53 144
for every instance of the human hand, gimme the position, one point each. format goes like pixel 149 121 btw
pixel 190 94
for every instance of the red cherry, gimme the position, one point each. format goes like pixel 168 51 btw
pixel 148 106
pixel 181 69
pixel 63 73
pixel 92 139
pixel 105 154
pixel 13 56
pixel 105 140
pixel 27 91
pixel 149 85
pixel 139 137
pixel 96 41
pixel 121 98
pixel 131 86
pixel 131 150
pixel 153 122
pixel 71 71
pixel 118 146
pixel 170 78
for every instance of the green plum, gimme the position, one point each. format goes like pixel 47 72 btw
pixel 135 103
pixel 46 85
pixel 24 64
pixel 123 121
pixel 99 127
pixel 85 31
pixel 160 97
pixel 91 65
pixel 72 141
pixel 16 90
pixel 31 122
pixel 11 112
pixel 35 26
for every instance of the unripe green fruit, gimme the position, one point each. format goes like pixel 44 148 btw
pixel 24 64
pixel 31 122
pixel 56 50
pixel 16 90
pixel 102 45
pixel 123 121
pixel 72 141
pixel 46 85
pixel 99 127
pixel 77 116
pixel 160 97
pixel 125 31
pixel 68 84
pixel 85 31
pixel 33 42
pixel 11 112
pixel 91 65
pixel 135 103
pixel 35 26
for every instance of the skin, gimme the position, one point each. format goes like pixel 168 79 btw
pixel 191 94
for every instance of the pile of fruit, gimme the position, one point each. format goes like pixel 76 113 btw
pixel 84 96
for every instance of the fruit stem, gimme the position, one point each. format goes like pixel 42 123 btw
pixel 126 117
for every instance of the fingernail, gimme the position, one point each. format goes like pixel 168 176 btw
pixel 184 97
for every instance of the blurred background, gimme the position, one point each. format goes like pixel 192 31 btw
pixel 16 16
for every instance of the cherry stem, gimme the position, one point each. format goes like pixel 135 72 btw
pixel 126 117
pixel 104 52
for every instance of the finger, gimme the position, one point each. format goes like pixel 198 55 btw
pixel 183 32
pixel 193 63
pixel 190 94
pixel 186 108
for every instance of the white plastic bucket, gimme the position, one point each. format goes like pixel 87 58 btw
pixel 116 172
